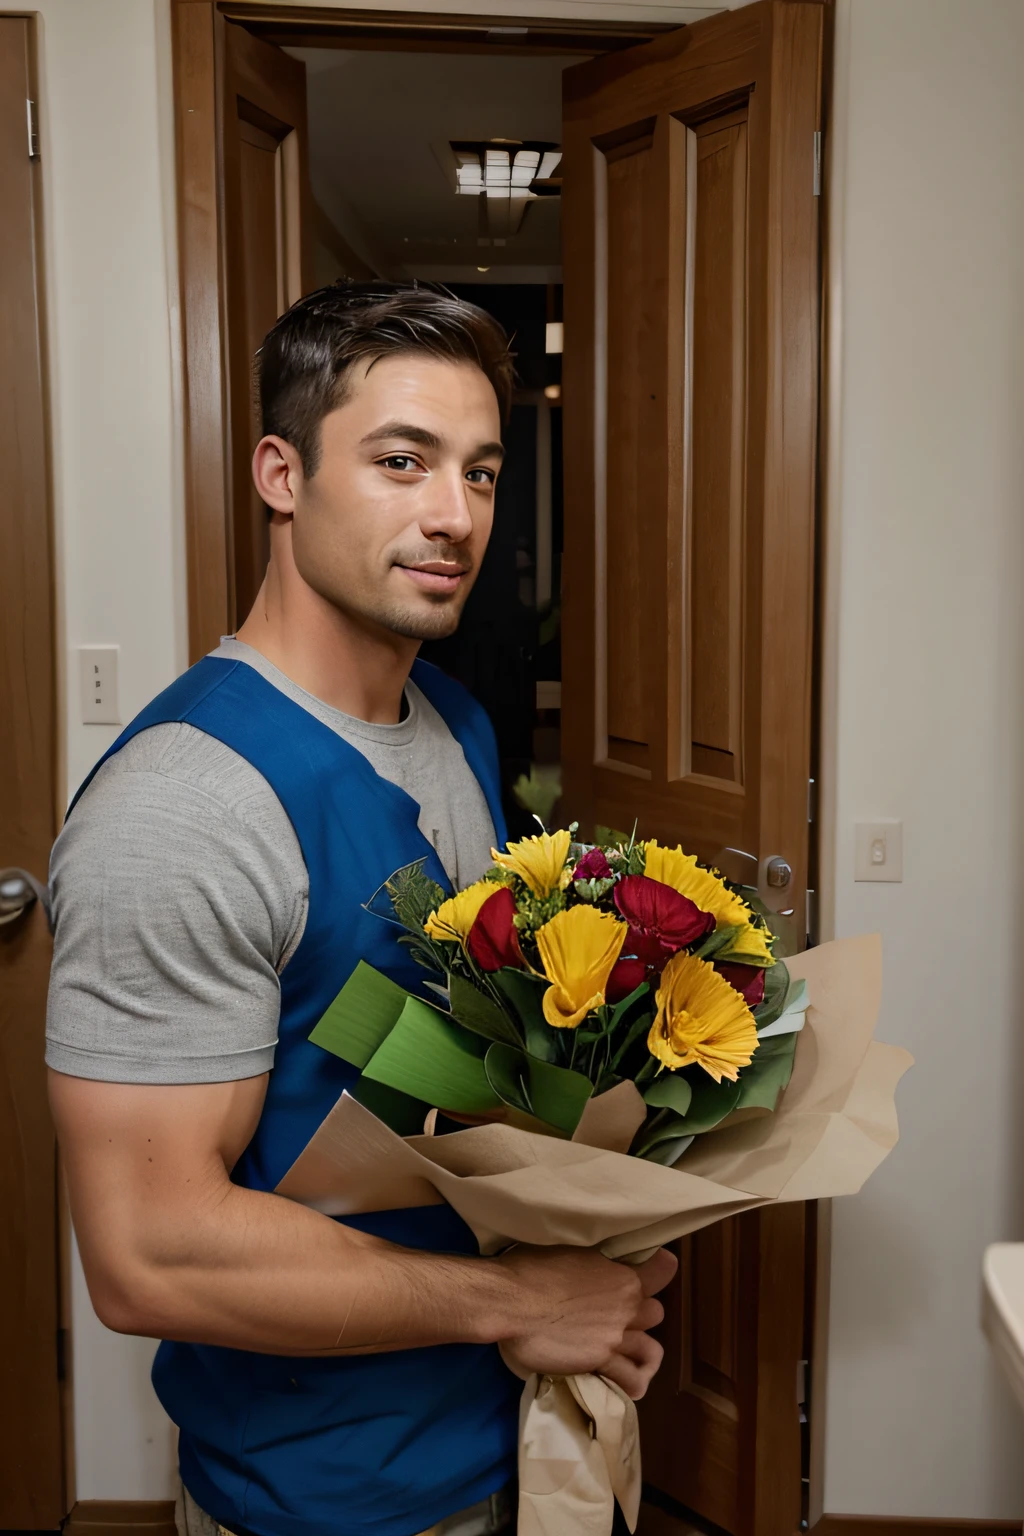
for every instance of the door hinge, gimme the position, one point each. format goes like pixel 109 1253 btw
pixel 62 1354
pixel 812 919
pixel 33 129
pixel 812 800
pixel 817 163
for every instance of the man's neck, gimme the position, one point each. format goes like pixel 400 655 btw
pixel 357 668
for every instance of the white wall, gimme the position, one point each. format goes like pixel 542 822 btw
pixel 930 560
pixel 107 175
pixel 926 560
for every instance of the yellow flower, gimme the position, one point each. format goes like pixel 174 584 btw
pixel 456 916
pixel 702 1019
pixel 682 872
pixel 578 949
pixel 539 861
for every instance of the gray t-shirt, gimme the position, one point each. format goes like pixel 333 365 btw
pixel 180 892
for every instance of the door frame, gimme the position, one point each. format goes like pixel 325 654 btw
pixel 197 51
pixel 47 744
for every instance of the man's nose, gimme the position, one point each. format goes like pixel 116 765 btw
pixel 446 513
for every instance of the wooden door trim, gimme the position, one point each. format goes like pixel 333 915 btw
pixel 121 1517
pixel 36 1393
pixel 437 31
pixel 196 45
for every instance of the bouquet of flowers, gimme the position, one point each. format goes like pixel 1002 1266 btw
pixel 568 969
pixel 620 1059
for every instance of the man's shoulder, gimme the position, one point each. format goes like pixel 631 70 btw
pixel 183 775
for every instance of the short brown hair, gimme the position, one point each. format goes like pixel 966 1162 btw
pixel 304 362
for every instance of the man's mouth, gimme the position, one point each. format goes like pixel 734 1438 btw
pixel 439 576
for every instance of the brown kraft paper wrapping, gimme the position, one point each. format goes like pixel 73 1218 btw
pixel 579 1445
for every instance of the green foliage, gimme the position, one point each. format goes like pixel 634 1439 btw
pixel 768 1074
pixel 399 1111
pixel 670 1091
pixel 776 986
pixel 430 1057
pixel 477 1011
pixel 551 1093
pixel 361 1017
pixel 524 994
pixel 414 895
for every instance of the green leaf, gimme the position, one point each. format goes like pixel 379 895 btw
pixel 776 986
pixel 718 941
pixel 553 1094
pixel 791 1019
pixel 414 895
pixel 432 1058
pixel 767 1076
pixel 399 1111
pixel 710 1103
pixel 361 1016
pixel 669 1091
pixel 667 1151
pixel 662 1139
pixel 480 1013
pixel 525 993
pixel 622 1008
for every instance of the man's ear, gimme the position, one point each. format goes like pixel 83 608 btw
pixel 276 473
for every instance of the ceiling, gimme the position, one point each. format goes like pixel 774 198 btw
pixel 380 127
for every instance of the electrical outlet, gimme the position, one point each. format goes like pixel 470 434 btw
pixel 878 853
pixel 97 674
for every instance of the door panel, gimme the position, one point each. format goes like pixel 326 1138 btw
pixel 31 1440
pixel 267 244
pixel 689 390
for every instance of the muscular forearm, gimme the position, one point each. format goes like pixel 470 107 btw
pixel 255 1271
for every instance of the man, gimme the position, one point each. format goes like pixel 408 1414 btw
pixel 329 1378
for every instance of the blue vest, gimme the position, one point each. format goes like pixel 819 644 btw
pixel 371 1445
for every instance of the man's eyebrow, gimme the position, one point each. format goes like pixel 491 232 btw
pixel 405 430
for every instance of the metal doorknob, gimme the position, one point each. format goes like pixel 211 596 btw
pixel 18 891
pixel 778 873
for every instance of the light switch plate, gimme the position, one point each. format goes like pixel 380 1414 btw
pixel 97 674
pixel 878 853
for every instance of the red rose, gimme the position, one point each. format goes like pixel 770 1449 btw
pixel 661 920
pixel 747 979
pixel 492 941
pixel 626 976
pixel 593 866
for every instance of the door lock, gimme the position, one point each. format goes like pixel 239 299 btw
pixel 778 873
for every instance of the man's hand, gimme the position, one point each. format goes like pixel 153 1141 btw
pixel 586 1313
pixel 173 1249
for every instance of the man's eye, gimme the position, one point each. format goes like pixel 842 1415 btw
pixel 482 476
pixel 404 463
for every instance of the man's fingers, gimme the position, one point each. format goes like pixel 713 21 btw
pixel 649 1314
pixel 657 1271
pixel 635 1363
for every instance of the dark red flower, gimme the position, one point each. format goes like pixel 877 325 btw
pixel 747 979
pixel 593 866
pixel 626 976
pixel 661 920
pixel 492 941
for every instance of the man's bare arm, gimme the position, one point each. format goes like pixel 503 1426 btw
pixel 172 1249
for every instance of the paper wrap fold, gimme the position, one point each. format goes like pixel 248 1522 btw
pixel 579 1442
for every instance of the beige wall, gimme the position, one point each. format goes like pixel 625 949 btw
pixel 925 563
pixel 929 558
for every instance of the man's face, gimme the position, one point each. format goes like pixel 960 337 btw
pixel 393 525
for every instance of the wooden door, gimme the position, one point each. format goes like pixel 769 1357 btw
pixel 690 409
pixel 267 241
pixel 245 244
pixel 31 1453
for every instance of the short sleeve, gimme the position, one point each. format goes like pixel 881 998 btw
pixel 178 892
